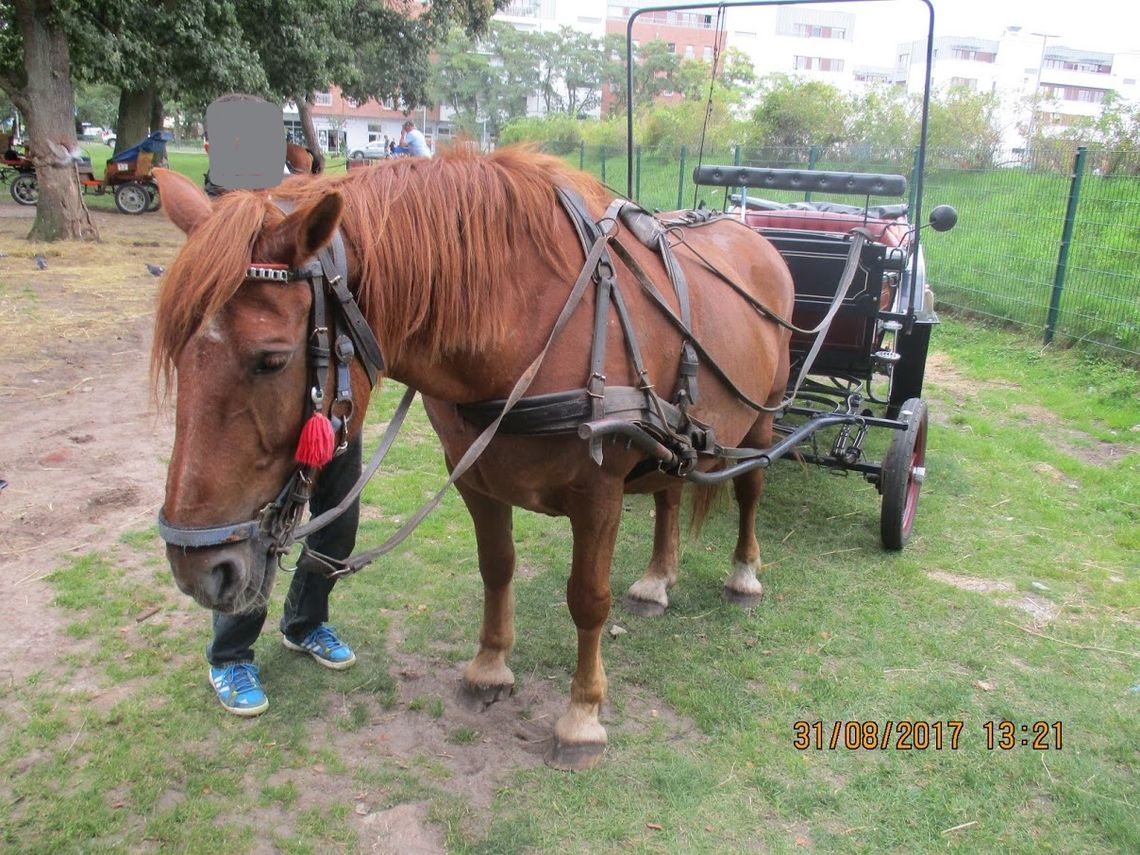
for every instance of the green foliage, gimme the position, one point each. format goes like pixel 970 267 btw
pixel 190 51
pixel 794 112
pixel 884 120
pixel 1115 133
pixel 493 79
pixel 558 133
pixel 610 133
pixel 97 104
pixel 963 126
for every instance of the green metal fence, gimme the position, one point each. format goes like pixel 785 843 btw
pixel 1051 243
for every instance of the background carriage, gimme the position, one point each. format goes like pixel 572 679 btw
pixel 128 175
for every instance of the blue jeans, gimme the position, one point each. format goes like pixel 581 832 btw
pixel 307 603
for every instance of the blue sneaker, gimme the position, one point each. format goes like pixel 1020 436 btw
pixel 238 687
pixel 325 646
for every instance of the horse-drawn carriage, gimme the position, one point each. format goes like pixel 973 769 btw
pixel 564 361
pixel 129 175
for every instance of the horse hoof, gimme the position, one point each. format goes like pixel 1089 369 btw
pixel 742 600
pixel 479 698
pixel 574 756
pixel 643 608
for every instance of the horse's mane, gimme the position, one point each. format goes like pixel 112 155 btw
pixel 443 247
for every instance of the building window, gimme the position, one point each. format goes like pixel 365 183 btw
pixel 819 63
pixel 815 31
pixel 706 55
pixel 1088 66
pixel 322 99
pixel 689 53
pixel 972 55
pixel 1073 93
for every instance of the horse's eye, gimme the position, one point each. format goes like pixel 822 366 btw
pixel 270 363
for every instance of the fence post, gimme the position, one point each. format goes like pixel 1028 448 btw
pixel 1066 240
pixel 637 191
pixel 813 159
pixel 582 155
pixel 681 177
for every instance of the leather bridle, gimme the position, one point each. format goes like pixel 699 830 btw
pixel 338 332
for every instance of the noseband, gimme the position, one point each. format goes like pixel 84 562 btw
pixel 340 322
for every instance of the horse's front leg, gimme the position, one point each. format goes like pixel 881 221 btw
pixel 487 677
pixel 648 596
pixel 579 738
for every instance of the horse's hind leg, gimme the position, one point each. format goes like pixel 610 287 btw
pixel 648 595
pixel 487 677
pixel 742 587
pixel 579 738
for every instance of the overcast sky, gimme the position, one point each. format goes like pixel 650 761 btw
pixel 1110 26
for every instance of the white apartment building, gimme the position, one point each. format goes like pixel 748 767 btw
pixel 589 16
pixel 1042 84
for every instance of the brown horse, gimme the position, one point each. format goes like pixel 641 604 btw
pixel 301 160
pixel 461 264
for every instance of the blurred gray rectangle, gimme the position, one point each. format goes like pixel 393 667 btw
pixel 247 143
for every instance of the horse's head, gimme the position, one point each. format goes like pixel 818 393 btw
pixel 237 346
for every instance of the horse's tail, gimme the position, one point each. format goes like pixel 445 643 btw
pixel 704 498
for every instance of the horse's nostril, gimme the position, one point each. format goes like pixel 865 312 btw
pixel 220 580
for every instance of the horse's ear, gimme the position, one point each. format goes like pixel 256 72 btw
pixel 185 203
pixel 314 226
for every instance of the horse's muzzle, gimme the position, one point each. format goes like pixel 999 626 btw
pixel 232 577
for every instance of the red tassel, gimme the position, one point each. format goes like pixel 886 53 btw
pixel 317 442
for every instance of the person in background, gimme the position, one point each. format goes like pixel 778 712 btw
pixel 412 141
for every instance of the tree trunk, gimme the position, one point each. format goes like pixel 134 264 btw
pixel 136 108
pixel 157 114
pixel 50 116
pixel 304 113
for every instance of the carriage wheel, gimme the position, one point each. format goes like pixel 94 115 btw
pixel 25 189
pixel 131 198
pixel 904 467
pixel 155 202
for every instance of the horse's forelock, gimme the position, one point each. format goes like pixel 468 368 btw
pixel 204 275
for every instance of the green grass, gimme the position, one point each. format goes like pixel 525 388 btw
pixel 1034 483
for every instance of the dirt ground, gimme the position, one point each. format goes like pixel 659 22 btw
pixel 81 444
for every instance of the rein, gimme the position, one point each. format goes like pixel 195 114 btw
pixel 276 527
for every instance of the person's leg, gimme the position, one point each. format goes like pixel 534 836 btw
pixel 234 636
pixel 234 677
pixel 307 603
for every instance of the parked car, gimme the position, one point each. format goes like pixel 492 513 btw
pixel 371 151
